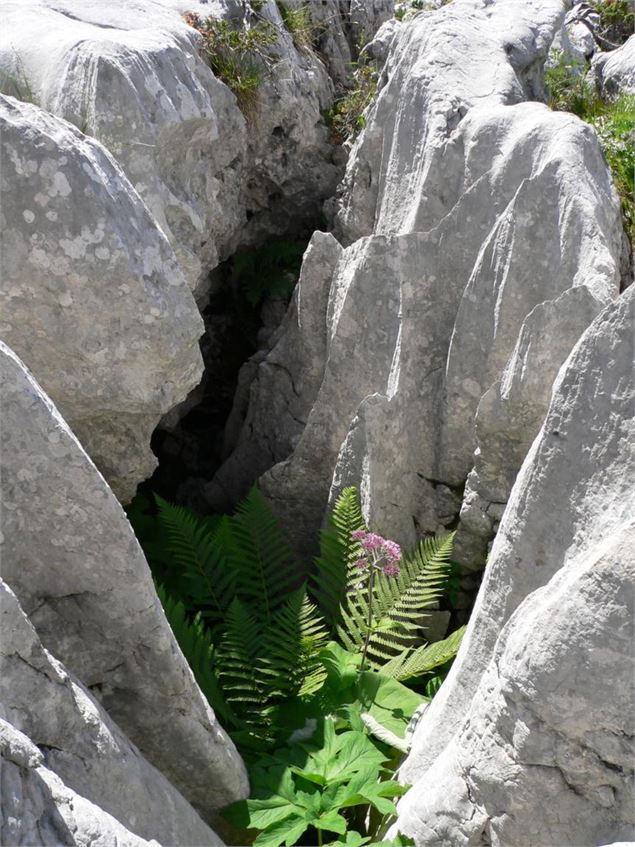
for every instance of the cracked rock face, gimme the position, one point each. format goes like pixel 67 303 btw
pixel 91 295
pixel 483 236
pixel 78 572
pixel 538 712
pixel 102 784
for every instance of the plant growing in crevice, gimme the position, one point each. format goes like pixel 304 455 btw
pixel 406 10
pixel 299 23
pixel 346 118
pixel 305 677
pixel 239 56
pixel 614 121
pixel 616 20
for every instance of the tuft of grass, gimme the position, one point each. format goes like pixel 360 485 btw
pixel 238 57
pixel 613 120
pixel 346 118
pixel 299 23
pixel 17 86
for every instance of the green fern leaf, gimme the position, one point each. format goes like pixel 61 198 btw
pixel 207 581
pixel 334 568
pixel 425 658
pixel 259 555
pixel 291 646
pixel 238 663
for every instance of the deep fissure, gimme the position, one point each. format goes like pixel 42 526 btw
pixel 245 302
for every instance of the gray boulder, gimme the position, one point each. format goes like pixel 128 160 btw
pixel 131 74
pixel 91 295
pixel 538 710
pixel 79 574
pixel 74 740
pixel 614 72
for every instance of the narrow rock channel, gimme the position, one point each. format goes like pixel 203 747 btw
pixel 316 423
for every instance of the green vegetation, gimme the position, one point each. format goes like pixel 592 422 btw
pixel 17 86
pixel 613 120
pixel 306 675
pixel 346 117
pixel 408 8
pixel 617 20
pixel 298 21
pixel 238 56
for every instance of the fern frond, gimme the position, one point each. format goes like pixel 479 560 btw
pixel 425 658
pixel 258 553
pixel 208 582
pixel 239 665
pixel 291 645
pixel 334 568
pixel 198 649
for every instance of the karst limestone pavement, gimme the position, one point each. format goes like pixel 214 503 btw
pixel 458 346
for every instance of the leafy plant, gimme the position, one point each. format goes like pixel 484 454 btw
pixel 237 56
pixel 321 724
pixel 379 608
pixel 312 784
pixel 347 118
pixel 614 122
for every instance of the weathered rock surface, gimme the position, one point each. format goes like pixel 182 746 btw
pixel 538 712
pixel 614 72
pixel 71 737
pixel 91 295
pixel 479 226
pixel 131 75
pixel 71 558
pixel 37 808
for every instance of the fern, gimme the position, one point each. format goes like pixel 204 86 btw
pixel 208 583
pixel 424 659
pixel 291 646
pixel 335 567
pixel 198 649
pixel 398 605
pixel 239 670
pixel 258 553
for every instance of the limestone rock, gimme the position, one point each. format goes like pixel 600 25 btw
pixel 526 719
pixel 91 296
pixel 74 739
pixel 578 34
pixel 37 808
pixel 614 72
pixel 131 75
pixel 71 558
pixel 477 225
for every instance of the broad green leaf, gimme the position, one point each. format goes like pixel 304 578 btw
pixel 331 821
pixel 284 832
pixel 351 839
pixel 388 701
pixel 266 817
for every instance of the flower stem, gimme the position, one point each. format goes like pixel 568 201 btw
pixel 319 834
pixel 370 616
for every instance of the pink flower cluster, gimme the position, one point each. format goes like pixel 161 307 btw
pixel 384 554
